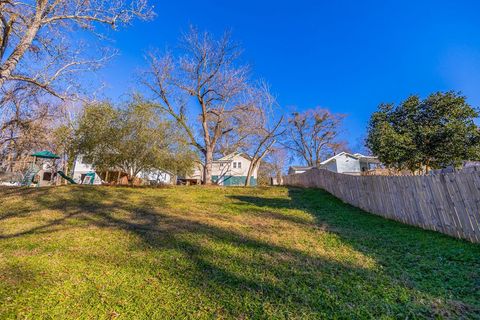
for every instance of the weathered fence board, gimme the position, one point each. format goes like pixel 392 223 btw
pixel 447 203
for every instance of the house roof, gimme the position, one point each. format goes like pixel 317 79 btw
pixel 230 156
pixel 361 156
pixel 297 168
pixel 337 156
pixel 45 154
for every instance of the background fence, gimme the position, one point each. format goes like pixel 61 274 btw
pixel 447 203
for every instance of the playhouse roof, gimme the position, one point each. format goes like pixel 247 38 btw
pixel 45 154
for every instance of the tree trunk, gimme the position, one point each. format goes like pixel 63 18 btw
pixel 249 172
pixel 207 171
pixel 131 175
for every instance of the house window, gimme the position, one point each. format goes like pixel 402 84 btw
pixel 221 164
pixel 239 165
pixel 234 165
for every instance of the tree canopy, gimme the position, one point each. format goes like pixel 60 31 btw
pixel 133 139
pixel 420 134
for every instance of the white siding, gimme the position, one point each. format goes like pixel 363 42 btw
pixel 347 164
pixel 343 163
pixel 81 168
pixel 225 167
pixel 332 166
pixel 229 169
pixel 157 176
pixel 197 172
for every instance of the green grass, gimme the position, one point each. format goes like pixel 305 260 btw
pixel 203 253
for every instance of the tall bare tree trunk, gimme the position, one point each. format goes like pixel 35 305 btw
pixel 207 171
pixel 251 168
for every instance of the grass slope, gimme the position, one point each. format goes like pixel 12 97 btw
pixel 191 252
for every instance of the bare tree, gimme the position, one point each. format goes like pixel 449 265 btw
pixel 278 159
pixel 259 130
pixel 37 42
pixel 268 137
pixel 272 166
pixel 205 80
pixel 24 124
pixel 312 134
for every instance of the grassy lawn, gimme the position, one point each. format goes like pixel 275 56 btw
pixel 192 252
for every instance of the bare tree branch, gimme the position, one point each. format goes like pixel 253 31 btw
pixel 206 78
pixel 38 33
pixel 313 134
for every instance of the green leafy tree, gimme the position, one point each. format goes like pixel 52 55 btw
pixel 420 134
pixel 134 139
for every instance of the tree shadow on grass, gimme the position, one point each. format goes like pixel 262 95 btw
pixel 248 277
pixel 430 262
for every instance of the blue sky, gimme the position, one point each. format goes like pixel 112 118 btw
pixel 347 56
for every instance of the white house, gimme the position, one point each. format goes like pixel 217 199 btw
pixel 83 172
pixel 157 177
pixel 345 162
pixel 230 170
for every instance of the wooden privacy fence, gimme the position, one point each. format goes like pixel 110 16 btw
pixel 447 203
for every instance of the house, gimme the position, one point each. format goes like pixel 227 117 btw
pixel 157 177
pixel 343 162
pixel 84 173
pixel 230 170
pixel 347 163
pixel 196 175
pixel 298 169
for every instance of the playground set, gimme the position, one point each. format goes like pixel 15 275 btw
pixel 41 171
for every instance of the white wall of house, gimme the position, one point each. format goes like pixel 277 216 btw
pixel 157 176
pixel 332 166
pixel 347 164
pixel 197 172
pixel 342 163
pixel 81 168
pixel 234 164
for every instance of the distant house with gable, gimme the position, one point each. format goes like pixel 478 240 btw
pixel 230 170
